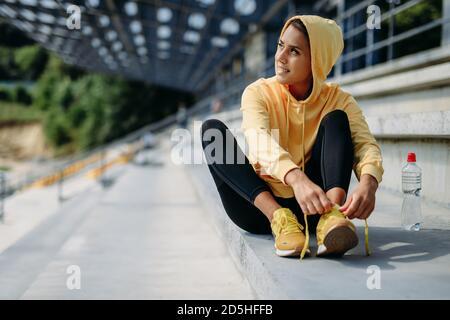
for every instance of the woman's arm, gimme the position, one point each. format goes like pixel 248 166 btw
pixel 262 142
pixel 368 159
pixel 368 165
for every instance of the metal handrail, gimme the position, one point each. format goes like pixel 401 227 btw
pixel 392 39
pixel 384 16
pixel 9 186
pixel 395 39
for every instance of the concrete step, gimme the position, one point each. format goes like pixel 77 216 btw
pixel 410 265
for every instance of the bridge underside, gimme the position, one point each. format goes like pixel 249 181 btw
pixel 172 43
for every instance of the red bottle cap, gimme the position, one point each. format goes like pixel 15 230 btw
pixel 411 157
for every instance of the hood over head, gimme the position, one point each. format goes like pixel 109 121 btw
pixel 326 45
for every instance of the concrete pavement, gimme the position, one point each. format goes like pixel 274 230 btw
pixel 146 237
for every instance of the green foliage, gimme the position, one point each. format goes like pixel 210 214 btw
pixel 416 16
pixel 26 63
pixel 30 61
pixel 20 95
pixel 14 112
pixel 56 128
pixel 76 116
pixel 5 94
pixel 93 99
pixel 45 86
pixel 79 111
pixel 6 62
pixel 419 14
pixel 17 94
pixel 63 96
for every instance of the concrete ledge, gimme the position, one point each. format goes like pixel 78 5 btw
pixel 437 75
pixel 414 125
pixel 434 124
pixel 412 265
pixel 410 62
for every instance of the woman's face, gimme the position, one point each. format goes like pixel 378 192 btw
pixel 293 58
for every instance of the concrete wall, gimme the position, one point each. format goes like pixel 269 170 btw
pixel 433 157
pixel 412 118
pixel 435 99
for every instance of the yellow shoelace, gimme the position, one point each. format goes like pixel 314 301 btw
pixel 366 238
pixel 306 246
pixel 287 224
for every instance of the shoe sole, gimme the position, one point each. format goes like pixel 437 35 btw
pixel 338 241
pixel 291 253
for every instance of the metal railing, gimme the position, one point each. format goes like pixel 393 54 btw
pixel 59 172
pixel 371 46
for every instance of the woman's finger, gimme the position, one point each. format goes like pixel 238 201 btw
pixel 318 205
pixel 367 211
pixel 363 206
pixel 304 208
pixel 311 209
pixel 350 212
pixel 326 203
pixel 345 206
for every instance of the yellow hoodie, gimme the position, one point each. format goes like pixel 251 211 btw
pixel 267 105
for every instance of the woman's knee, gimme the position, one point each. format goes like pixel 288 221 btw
pixel 337 121
pixel 336 116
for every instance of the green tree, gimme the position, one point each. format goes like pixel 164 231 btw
pixel 92 109
pixel 6 63
pixel 416 16
pixel 21 95
pixel 46 84
pixel 5 95
pixel 56 129
pixel 30 61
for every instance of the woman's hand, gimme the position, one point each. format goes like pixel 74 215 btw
pixel 361 202
pixel 311 198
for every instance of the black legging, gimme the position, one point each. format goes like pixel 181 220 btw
pixel 330 166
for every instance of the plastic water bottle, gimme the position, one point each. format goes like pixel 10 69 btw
pixel 411 186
